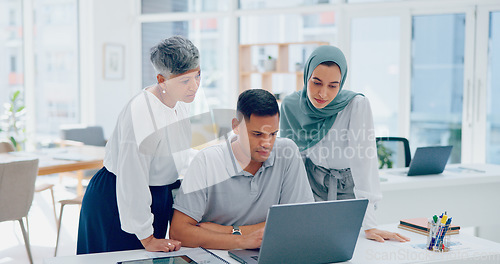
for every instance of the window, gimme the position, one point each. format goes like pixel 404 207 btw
pixel 13 65
pixel 258 4
pixel 370 1
pixel 210 36
pixel 493 91
pixel 437 81
pixel 374 68
pixel 13 16
pixel 11 50
pixel 168 6
pixel 56 65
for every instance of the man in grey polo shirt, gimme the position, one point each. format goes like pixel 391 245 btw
pixel 228 189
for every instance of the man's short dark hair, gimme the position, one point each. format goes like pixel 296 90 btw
pixel 258 102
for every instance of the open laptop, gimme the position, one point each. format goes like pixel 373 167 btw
pixel 320 232
pixel 429 160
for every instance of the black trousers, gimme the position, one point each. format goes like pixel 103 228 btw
pixel 100 230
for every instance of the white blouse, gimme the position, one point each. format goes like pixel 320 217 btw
pixel 139 154
pixel 350 143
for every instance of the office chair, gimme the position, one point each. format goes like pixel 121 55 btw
pixel 86 135
pixel 76 200
pixel 8 147
pixel 16 193
pixel 393 152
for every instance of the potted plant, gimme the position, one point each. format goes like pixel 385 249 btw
pixel 270 64
pixel 384 156
pixel 12 121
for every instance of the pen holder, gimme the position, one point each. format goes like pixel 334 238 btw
pixel 438 239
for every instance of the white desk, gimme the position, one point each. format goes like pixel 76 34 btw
pixel 367 252
pixel 473 250
pixel 470 197
pixel 57 160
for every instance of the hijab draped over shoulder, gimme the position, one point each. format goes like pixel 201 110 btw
pixel 301 121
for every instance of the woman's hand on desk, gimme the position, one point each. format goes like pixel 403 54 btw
pixel 153 244
pixel 381 235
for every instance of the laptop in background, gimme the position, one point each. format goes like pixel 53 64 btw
pixel 319 232
pixel 429 160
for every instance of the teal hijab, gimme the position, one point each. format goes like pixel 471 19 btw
pixel 301 121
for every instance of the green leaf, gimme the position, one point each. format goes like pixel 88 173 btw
pixel 20 109
pixel 15 95
pixel 14 142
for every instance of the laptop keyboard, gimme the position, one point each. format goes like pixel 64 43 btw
pixel 255 257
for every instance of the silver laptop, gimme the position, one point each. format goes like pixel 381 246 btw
pixel 429 160
pixel 320 232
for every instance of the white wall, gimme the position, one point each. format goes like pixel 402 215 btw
pixel 103 22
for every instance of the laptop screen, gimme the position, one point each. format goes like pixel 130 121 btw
pixel 318 232
pixel 429 160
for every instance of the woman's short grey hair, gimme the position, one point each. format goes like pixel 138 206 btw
pixel 174 55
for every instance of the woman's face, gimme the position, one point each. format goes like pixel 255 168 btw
pixel 183 87
pixel 324 85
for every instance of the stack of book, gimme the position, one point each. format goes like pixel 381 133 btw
pixel 419 225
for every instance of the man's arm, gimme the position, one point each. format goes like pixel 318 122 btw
pixel 187 230
pixel 248 229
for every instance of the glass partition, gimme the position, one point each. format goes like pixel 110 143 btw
pixel 56 65
pixel 437 82
pixel 493 92
pixel 374 68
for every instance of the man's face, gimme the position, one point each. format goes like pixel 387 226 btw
pixel 257 136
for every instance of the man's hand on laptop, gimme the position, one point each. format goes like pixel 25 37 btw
pixel 252 240
pixel 382 235
pixel 251 235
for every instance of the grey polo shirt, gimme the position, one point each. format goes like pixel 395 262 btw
pixel 216 189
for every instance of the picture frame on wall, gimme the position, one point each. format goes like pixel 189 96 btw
pixel 113 61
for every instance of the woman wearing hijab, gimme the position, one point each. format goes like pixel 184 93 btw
pixel 128 203
pixel 335 134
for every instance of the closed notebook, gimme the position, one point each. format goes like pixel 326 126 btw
pixel 419 225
